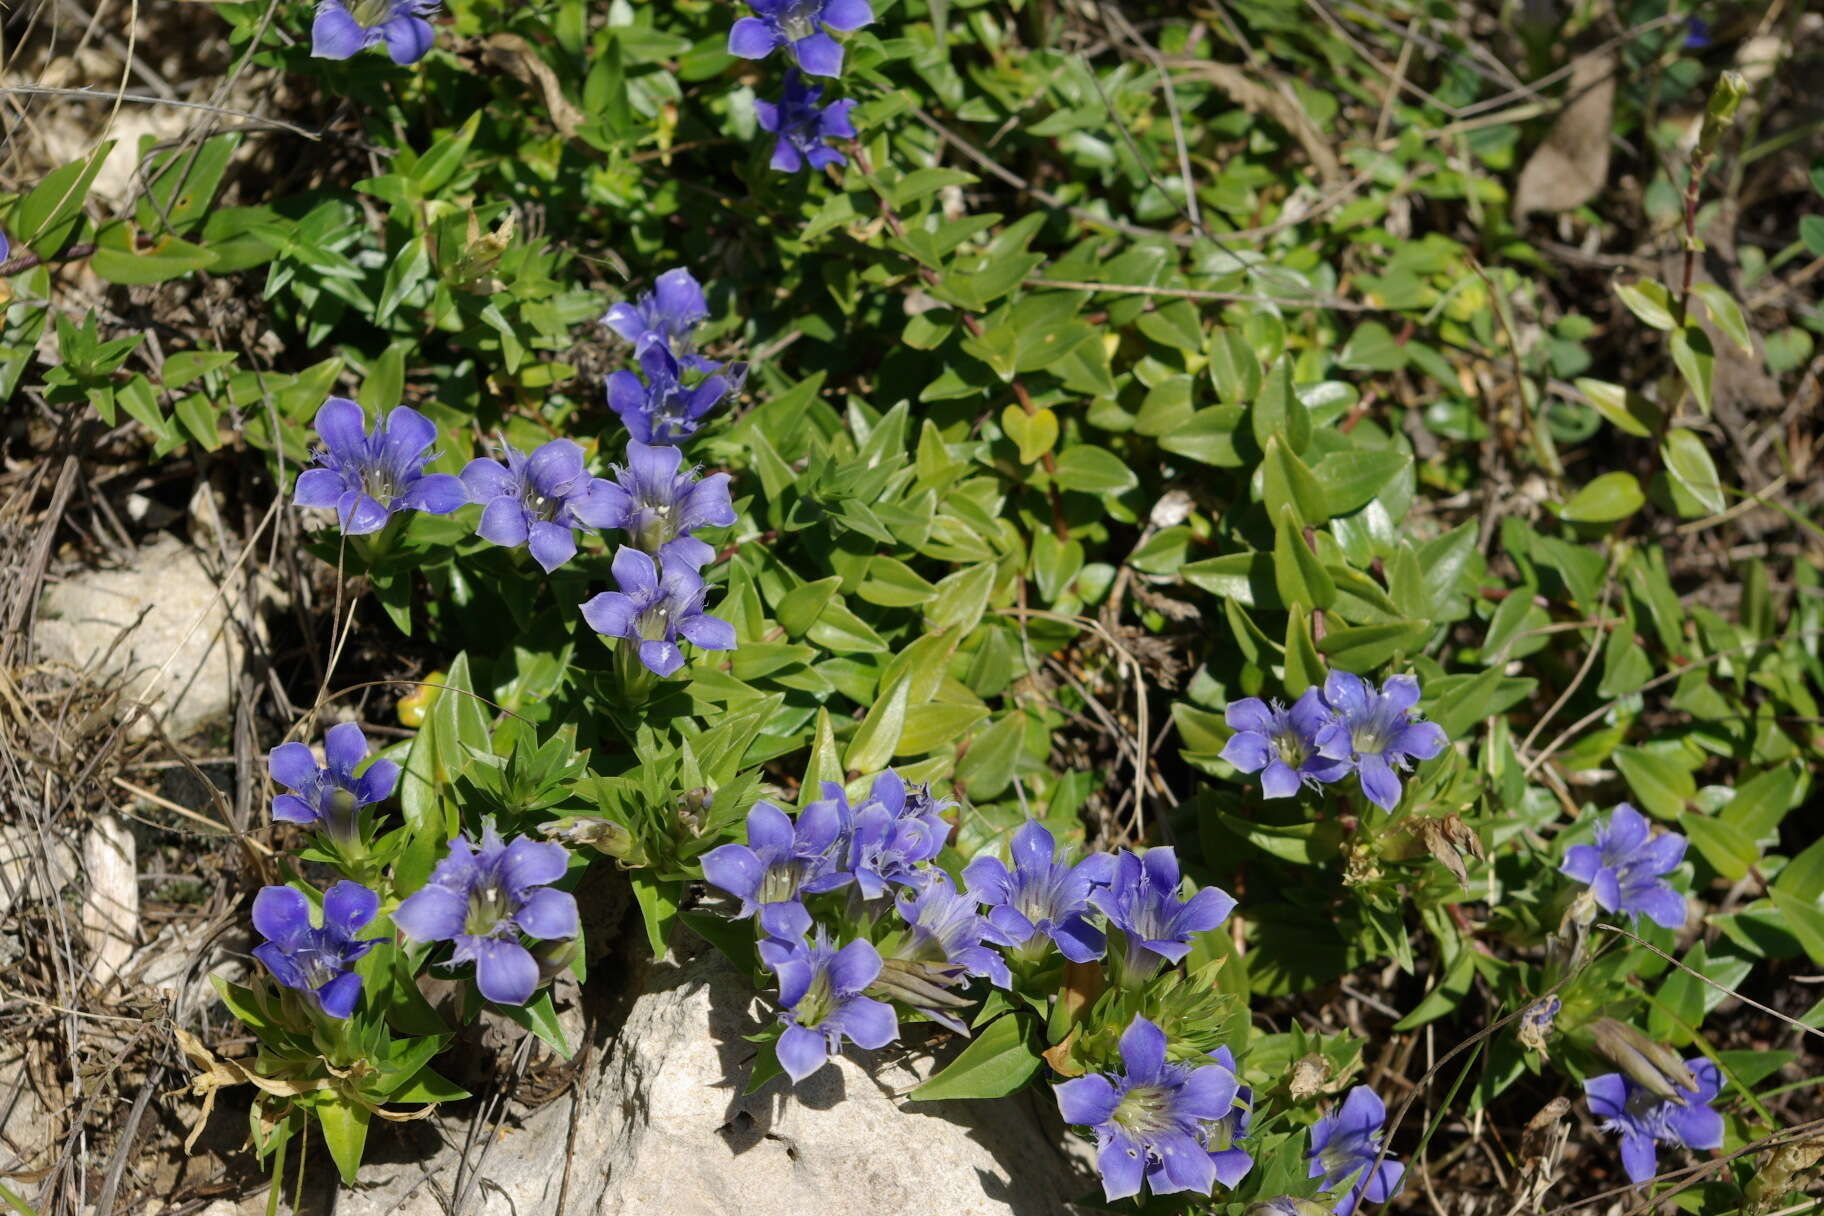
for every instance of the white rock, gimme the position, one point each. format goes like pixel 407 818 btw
pixel 110 906
pixel 660 1128
pixel 182 658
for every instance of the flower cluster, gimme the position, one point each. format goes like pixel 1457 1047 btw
pixel 801 128
pixel 653 498
pixel 1348 727
pixel 915 939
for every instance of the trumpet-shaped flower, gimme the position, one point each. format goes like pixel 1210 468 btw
pixel 1380 732
pixel 783 859
pixel 662 409
pixel 803 127
pixel 657 502
pixel 1644 1120
pixel 669 312
pixel 1626 865
pixel 943 926
pixel 366 477
pixel 539 500
pixel 1344 1147
pixel 342 29
pixel 1142 901
pixel 657 604
pixel 892 834
pixel 800 25
pixel 1283 745
pixel 331 794
pixel 1149 1119
pixel 315 960
pixel 484 899
pixel 820 989
pixel 1043 895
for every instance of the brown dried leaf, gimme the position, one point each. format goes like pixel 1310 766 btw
pixel 1570 167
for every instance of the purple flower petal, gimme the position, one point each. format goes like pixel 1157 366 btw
pixel 339 996
pixel 1087 1101
pixel 321 488
pixel 818 55
pixel 801 1052
pixel 548 914
pixel 847 15
pixel 751 38
pixel 551 545
pixel 348 907
pixel 505 971
pixel 292 765
pixel 610 614
pixel 334 34
pixel 431 914
pixel 408 38
pixel 281 914
pixel 344 747
pixel 867 1022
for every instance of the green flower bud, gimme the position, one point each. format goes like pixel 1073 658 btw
pixel 1653 1066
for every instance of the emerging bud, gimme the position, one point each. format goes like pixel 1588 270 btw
pixel 925 986
pixel 474 267
pixel 693 809
pixel 603 835
pixel 554 958
pixel 1655 1067
pixel 1719 113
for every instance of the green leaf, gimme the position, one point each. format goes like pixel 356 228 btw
pixel 1649 300
pixel 440 163
pixel 1611 497
pixel 186 365
pixel 1304 669
pixel 1726 314
pixel 799 608
pixel 44 218
pixel 876 740
pixel 1689 463
pixel 962 597
pixel 1662 786
pixel 167 258
pixel 1003 1057
pixel 825 763
pixel 384 386
pixel 1299 576
pixel 1280 411
pixel 1449 993
pixel 1289 482
pixel 1729 851
pixel 929 727
pixel 1234 368
pixel 540 1017
pixel 1362 648
pixel 345 1132
pixel 1089 469
pixel 1352 478
pixel 1625 410
pixel 1811 231
pixel 1696 361
pixel 1207 436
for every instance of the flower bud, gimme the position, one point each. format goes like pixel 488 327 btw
pixel 554 957
pixel 694 807
pixel 474 266
pixel 922 985
pixel 1719 113
pixel 603 835
pixel 1653 1066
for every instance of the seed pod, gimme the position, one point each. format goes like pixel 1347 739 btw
pixel 1653 1066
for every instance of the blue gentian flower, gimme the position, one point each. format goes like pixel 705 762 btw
pixel 366 477
pixel 483 899
pixel 1644 1121
pixel 340 31
pixel 1697 33
pixel 795 24
pixel 656 502
pixel 943 926
pixel 657 604
pixel 820 989
pixel 330 795
pixel 1379 731
pixel 539 500
pixel 1283 742
pixel 892 835
pixel 1149 1119
pixel 803 127
pixel 316 961
pixel 1220 1136
pixel 1624 867
pixel 783 860
pixel 668 313
pixel 662 409
pixel 1344 1145
pixel 1141 900
pixel 1043 896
